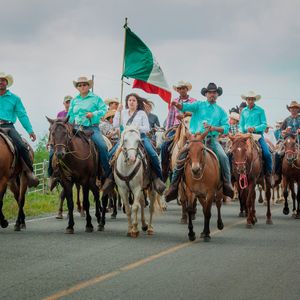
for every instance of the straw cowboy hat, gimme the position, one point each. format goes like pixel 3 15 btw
pixel 8 78
pixel 251 94
pixel 67 98
pixel 293 104
pixel 182 83
pixel 83 79
pixel 212 87
pixel 111 100
pixel 109 113
pixel 235 116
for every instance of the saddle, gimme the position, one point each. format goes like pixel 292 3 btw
pixel 11 146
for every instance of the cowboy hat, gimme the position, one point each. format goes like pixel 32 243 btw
pixel 269 126
pixel 212 87
pixel 182 83
pixel 234 115
pixel 83 79
pixel 111 100
pixel 293 104
pixel 109 113
pixel 67 98
pixel 251 94
pixel 8 78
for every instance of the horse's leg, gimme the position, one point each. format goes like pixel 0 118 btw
pixel 260 198
pixel 292 188
pixel 298 200
pixel 218 205
pixel 104 201
pixel 143 220
pixel 135 209
pixel 183 200
pixel 62 197
pixel 68 186
pixel 242 200
pixel 124 194
pixel 153 198
pixel 286 209
pixel 22 191
pixel 95 190
pixel 268 196
pixel 206 204
pixel 191 234
pixel 3 187
pixel 114 199
pixel 249 203
pixel 80 208
pixel 15 188
pixel 86 205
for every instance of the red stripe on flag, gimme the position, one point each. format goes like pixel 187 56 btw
pixel 152 89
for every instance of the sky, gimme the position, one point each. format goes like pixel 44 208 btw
pixel 240 45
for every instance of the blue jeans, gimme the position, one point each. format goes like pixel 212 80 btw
pixel 267 157
pixel 150 151
pixel 165 146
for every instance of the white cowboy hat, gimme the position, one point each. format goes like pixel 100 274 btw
pixel 269 126
pixel 8 78
pixel 67 98
pixel 83 79
pixel 182 83
pixel 251 94
pixel 235 116
pixel 111 100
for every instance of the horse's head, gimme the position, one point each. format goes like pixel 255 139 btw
pixel 159 137
pixel 197 153
pixel 290 149
pixel 130 141
pixel 59 136
pixel 239 152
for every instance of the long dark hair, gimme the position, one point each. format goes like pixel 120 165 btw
pixel 140 101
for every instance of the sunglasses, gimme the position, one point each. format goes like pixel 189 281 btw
pixel 81 84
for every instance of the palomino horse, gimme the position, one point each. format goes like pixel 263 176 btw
pixel 202 181
pixel 247 170
pixel 291 174
pixel 131 178
pixel 75 160
pixel 12 175
pixel 179 142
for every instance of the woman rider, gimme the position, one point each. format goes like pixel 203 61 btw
pixel 135 114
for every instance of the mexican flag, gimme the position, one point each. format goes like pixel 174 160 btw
pixel 141 65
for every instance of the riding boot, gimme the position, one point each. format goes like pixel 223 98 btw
pixel 165 165
pixel 28 168
pixel 228 189
pixel 278 170
pixel 159 186
pixel 108 185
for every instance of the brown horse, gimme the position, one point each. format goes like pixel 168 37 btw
pixel 75 161
pixel 291 174
pixel 202 181
pixel 247 171
pixel 13 176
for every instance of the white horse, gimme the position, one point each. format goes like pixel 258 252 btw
pixel 131 178
pixel 159 137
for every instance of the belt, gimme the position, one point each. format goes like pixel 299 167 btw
pixel 4 122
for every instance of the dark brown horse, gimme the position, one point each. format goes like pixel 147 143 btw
pixel 202 181
pixel 12 175
pixel 247 171
pixel 291 174
pixel 75 161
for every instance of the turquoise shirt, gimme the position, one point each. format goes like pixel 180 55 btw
pixel 11 108
pixel 79 107
pixel 254 117
pixel 212 114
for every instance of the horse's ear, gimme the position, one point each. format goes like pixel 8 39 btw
pixel 66 119
pixel 188 135
pixel 51 121
pixel 204 135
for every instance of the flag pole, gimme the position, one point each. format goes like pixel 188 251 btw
pixel 123 61
pixel 93 83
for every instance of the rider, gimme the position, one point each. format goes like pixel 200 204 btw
pixel 234 119
pixel 206 115
pixel 134 114
pixel 182 88
pixel 277 131
pixel 62 114
pixel 11 108
pixel 112 103
pixel 290 126
pixel 253 120
pixel 85 111
pixel 107 128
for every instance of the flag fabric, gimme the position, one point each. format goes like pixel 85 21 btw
pixel 141 65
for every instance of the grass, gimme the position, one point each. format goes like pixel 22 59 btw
pixel 36 204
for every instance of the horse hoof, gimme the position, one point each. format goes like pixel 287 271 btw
pixel 249 225
pixel 183 221
pixel 17 228
pixel 260 200
pixel 59 217
pixel 269 222
pixel 89 229
pixel 135 234
pixel 100 227
pixel 220 225
pixel 286 211
pixel 206 238
pixel 4 224
pixel 150 231
pixel 23 226
pixel 202 235
pixel 69 230
pixel 192 237
pixel 113 216
pixel 193 217
pixel 82 214
pixel 145 228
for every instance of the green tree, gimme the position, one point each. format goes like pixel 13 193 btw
pixel 41 151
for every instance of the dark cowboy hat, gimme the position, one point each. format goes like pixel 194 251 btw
pixel 212 87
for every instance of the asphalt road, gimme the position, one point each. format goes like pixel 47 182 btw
pixel 238 263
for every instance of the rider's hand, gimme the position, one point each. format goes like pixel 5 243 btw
pixel 207 127
pixel 251 129
pixel 120 107
pixel 288 130
pixel 89 115
pixel 179 117
pixel 32 136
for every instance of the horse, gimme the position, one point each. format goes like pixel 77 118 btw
pixel 291 174
pixel 159 138
pixel 248 171
pixel 73 148
pixel 179 142
pixel 202 180
pixel 132 178
pixel 12 175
